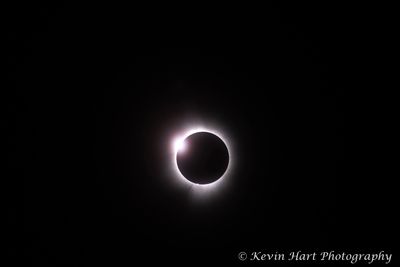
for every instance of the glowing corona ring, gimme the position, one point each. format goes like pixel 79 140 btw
pixel 179 145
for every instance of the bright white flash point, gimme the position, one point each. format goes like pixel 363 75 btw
pixel 180 145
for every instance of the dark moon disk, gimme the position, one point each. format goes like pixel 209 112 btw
pixel 204 159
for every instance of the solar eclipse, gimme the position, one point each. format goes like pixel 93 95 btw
pixel 202 158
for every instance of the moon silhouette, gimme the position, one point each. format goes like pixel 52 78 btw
pixel 202 158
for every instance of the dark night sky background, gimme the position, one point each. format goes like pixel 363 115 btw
pixel 93 90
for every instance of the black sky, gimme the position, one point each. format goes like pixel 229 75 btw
pixel 94 90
